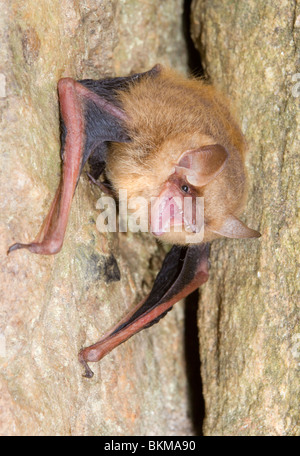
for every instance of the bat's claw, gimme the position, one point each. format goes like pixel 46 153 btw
pixel 102 185
pixel 17 246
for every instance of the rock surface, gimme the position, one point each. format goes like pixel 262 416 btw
pixel 249 311
pixel 52 306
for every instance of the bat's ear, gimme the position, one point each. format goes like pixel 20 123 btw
pixel 234 228
pixel 204 164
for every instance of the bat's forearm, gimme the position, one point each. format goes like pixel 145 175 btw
pixel 183 270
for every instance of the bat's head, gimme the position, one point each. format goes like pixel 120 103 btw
pixel 202 195
pixel 186 159
pixel 192 189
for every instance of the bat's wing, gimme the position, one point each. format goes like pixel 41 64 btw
pixel 90 117
pixel 184 270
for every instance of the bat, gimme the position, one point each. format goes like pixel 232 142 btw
pixel 167 140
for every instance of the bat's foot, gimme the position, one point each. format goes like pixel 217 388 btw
pixel 102 185
pixel 88 373
pixel 48 247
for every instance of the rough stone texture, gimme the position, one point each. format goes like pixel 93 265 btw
pixel 52 306
pixel 248 318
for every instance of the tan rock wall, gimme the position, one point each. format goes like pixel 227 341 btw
pixel 249 311
pixel 52 306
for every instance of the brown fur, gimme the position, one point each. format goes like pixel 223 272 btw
pixel 168 115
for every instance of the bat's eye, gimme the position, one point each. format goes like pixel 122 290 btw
pixel 185 188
